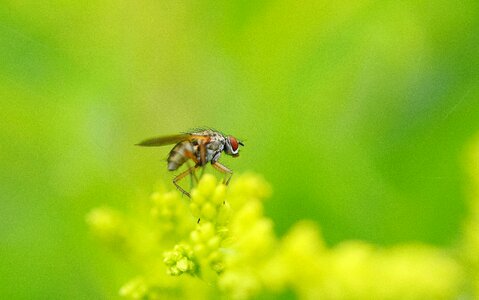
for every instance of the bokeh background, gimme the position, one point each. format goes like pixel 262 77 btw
pixel 357 112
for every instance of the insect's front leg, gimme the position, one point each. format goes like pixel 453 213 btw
pixel 228 173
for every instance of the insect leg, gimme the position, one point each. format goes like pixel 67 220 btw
pixel 202 161
pixel 228 173
pixel 193 177
pixel 202 153
pixel 183 175
pixel 195 160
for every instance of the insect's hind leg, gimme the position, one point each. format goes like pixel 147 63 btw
pixel 183 175
pixel 190 170
pixel 193 177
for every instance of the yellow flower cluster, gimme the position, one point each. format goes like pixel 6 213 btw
pixel 220 243
pixel 170 216
pixel 180 260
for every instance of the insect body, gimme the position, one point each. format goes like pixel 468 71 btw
pixel 202 147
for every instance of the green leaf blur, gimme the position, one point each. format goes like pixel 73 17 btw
pixel 357 112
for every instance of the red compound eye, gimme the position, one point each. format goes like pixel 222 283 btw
pixel 234 143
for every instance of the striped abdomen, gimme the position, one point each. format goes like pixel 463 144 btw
pixel 180 154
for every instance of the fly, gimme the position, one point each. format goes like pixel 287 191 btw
pixel 202 147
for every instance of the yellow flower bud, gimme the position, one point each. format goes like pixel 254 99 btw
pixel 207 185
pixel 208 211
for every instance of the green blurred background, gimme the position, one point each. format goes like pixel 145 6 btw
pixel 357 112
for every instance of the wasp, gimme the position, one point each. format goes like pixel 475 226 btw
pixel 202 147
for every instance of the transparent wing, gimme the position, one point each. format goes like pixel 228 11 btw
pixel 164 140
